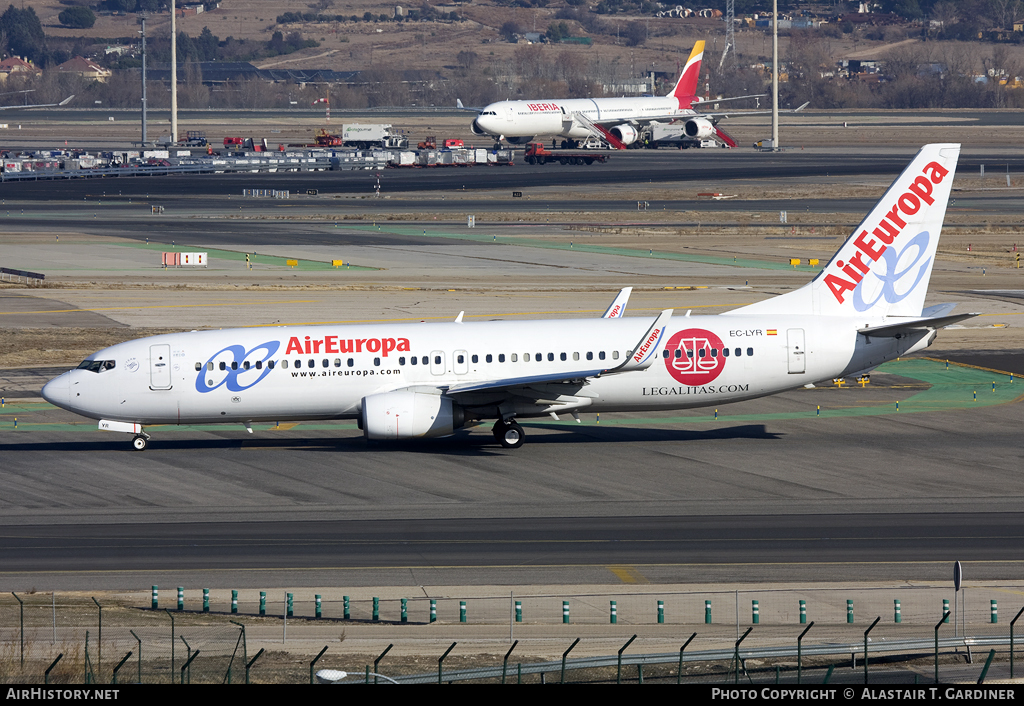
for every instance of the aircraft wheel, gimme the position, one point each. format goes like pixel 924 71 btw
pixel 139 443
pixel 512 437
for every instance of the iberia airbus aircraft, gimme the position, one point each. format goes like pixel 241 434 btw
pixel 404 381
pixel 616 120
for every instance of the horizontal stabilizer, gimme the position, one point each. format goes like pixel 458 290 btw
pixel 905 327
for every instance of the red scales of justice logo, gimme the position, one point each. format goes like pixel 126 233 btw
pixel 695 356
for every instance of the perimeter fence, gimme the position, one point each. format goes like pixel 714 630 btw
pixel 217 636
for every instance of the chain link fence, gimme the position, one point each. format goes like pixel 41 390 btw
pixel 70 638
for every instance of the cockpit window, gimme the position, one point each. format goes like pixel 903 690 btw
pixel 96 366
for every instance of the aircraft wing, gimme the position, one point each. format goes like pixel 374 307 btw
pixel 913 325
pixel 38 105
pixel 698 114
pixel 641 356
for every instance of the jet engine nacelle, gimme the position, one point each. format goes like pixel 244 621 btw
pixel 519 140
pixel 626 133
pixel 699 128
pixel 477 130
pixel 409 415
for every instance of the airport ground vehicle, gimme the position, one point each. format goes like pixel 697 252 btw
pixel 413 380
pixel 371 136
pixel 537 153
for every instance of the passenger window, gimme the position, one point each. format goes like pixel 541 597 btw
pixel 312 363
pixel 750 351
pixel 337 362
pixel 489 358
pixel 461 358
pixel 414 360
pixel 284 364
pixel 615 355
pixel 689 352
pixel 739 351
pixel 298 363
pixel 590 355
pixel 401 360
pixel 234 365
pixel 540 357
pixel 601 355
pixel 326 363
pixel 199 366
pixel 270 364
pixel 351 362
pixel 514 358
pixel 679 352
pixel 714 352
pixel 425 360
pixel 475 358
pixel 209 366
pixel 501 357
pixel 576 355
pixel 725 352
pixel 561 356
pixel 437 360
pixel 376 361
pixel 701 352
pixel 245 365
pixel 526 357
pixel 259 365
pixel 664 353
pixel 551 357
pixel 223 365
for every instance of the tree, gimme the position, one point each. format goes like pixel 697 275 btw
pixel 509 30
pixel 636 34
pixel 77 17
pixel 24 33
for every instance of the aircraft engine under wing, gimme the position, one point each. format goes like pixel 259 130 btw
pixel 700 128
pixel 626 133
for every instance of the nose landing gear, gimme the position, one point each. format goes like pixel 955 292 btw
pixel 141 441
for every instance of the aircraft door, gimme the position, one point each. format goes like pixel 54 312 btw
pixel 437 366
pixel 460 361
pixel 796 350
pixel 160 367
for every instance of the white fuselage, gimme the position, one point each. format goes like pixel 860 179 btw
pixel 325 372
pixel 554 116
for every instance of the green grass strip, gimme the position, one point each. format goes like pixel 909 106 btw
pixel 573 245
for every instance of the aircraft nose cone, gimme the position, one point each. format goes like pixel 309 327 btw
pixel 58 391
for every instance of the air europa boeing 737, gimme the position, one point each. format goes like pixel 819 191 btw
pixel 403 381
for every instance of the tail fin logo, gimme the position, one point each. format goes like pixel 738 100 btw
pixel 871 248
pixel 888 281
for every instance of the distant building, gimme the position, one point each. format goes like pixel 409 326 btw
pixel 86 68
pixel 15 65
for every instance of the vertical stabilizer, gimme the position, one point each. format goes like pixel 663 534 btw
pixel 883 268
pixel 686 87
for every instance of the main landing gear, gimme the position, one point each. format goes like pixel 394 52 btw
pixel 141 441
pixel 509 434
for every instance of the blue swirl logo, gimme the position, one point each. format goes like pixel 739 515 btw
pixel 892 274
pixel 234 375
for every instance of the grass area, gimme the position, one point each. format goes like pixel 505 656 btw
pixel 573 245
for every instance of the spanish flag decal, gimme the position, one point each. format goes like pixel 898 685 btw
pixel 773 332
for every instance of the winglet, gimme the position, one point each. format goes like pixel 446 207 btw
pixel 618 307
pixel 458 319
pixel 66 100
pixel 648 347
pixel 458 103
